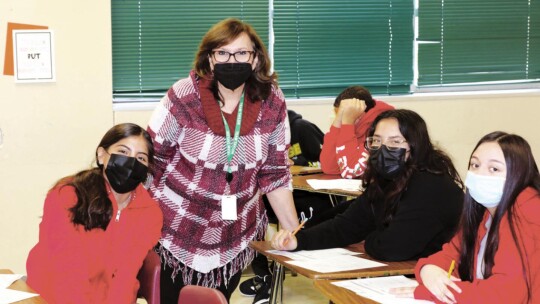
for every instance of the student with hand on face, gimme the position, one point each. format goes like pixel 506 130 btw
pixel 98 226
pixel 496 250
pixel 221 138
pixel 343 151
pixel 412 200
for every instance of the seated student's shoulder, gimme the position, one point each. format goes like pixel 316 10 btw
pixel 436 180
pixel 62 194
pixel 528 205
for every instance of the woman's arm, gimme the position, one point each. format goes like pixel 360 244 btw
pixel 347 228
pixel 282 203
pixel 164 131
pixel 328 157
pixel 61 250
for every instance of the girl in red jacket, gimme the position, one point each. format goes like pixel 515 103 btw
pixel 98 226
pixel 496 250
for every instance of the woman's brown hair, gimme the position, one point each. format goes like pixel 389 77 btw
pixel 224 32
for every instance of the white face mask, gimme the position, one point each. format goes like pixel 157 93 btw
pixel 486 190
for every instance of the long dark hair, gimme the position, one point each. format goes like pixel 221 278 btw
pixel 94 208
pixel 259 84
pixel 521 172
pixel 423 156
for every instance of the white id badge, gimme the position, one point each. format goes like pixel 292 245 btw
pixel 228 207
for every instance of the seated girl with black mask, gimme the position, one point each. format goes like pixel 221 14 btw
pixel 412 201
pixel 98 225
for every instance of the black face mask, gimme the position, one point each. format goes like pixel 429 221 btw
pixel 388 163
pixel 125 173
pixel 232 75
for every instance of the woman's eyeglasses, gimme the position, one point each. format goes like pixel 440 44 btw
pixel 375 143
pixel 240 56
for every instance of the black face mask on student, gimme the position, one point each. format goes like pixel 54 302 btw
pixel 125 173
pixel 232 75
pixel 388 163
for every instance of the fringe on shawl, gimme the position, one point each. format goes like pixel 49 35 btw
pixel 214 278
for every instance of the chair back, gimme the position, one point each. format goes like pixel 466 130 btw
pixel 149 278
pixel 192 294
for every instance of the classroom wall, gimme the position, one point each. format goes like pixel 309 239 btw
pixel 50 130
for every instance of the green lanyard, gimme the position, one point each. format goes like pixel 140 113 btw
pixel 231 147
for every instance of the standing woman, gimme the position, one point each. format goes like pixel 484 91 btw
pixel 221 138
pixel 496 250
pixel 98 226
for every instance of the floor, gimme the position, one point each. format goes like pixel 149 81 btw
pixel 296 290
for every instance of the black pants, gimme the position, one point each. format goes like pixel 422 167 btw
pixel 260 265
pixel 170 290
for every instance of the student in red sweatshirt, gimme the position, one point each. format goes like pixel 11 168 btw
pixel 343 151
pixel 496 249
pixel 98 225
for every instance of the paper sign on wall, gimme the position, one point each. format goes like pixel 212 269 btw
pixel 33 56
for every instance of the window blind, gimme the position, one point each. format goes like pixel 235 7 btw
pixel 322 47
pixel 154 41
pixel 476 41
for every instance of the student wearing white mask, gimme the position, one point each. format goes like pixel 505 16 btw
pixel 496 250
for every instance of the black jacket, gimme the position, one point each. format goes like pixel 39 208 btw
pixel 426 218
pixel 306 140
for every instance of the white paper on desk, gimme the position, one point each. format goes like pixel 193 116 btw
pixel 335 264
pixel 10 296
pixel 378 289
pixel 314 254
pixel 8 279
pixel 340 184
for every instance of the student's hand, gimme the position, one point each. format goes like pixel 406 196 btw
pixel 402 292
pixel 352 110
pixel 284 240
pixel 437 282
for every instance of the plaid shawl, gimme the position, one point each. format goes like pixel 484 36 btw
pixel 189 180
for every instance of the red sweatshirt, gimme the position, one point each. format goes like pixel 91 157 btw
pixel 343 150
pixel 71 265
pixel 506 284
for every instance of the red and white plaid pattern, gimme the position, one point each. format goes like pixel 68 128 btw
pixel 189 179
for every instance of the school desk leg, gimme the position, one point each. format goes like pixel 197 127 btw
pixel 276 293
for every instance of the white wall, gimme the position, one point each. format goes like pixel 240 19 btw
pixel 456 121
pixel 51 129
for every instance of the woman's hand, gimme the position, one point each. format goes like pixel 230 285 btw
pixel 284 240
pixel 437 282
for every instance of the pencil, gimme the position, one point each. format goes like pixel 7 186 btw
pixel 299 227
pixel 451 269
pixel 296 231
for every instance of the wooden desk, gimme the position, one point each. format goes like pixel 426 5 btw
pixel 301 170
pixel 276 296
pixel 339 295
pixel 300 183
pixel 21 286
pixel 392 268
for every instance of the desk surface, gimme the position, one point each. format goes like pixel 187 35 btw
pixel 21 286
pixel 301 170
pixel 300 183
pixel 339 295
pixel 392 268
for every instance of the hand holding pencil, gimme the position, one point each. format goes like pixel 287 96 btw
pixel 286 240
